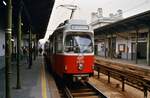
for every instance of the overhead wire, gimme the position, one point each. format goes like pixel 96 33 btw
pixel 136 6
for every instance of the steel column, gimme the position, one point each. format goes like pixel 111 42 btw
pixel 108 77
pixel 136 54
pixel 123 83
pixel 148 52
pixel 127 46
pixel 105 45
pixel 30 49
pixel 34 48
pixel 111 46
pixel 8 48
pixel 98 72
pixel 145 92
pixel 18 86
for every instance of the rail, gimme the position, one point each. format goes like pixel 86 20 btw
pixel 67 92
pixel 79 89
pixel 126 77
pixel 96 89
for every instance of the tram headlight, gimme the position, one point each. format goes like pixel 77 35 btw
pixel 65 67
pixel 93 67
pixel 80 66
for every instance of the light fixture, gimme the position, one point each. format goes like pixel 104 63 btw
pixel 21 24
pixel 80 66
pixel 4 3
pixel 12 40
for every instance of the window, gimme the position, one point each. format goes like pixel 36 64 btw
pixel 59 44
pixel 3 47
pixel 78 43
pixel 121 47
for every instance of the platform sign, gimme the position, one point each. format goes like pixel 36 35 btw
pixel 79 27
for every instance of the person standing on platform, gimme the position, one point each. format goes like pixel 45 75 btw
pixel 40 50
pixel 25 52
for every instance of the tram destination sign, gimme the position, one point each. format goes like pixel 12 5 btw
pixel 79 27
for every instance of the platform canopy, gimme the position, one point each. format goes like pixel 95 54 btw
pixel 138 21
pixel 35 14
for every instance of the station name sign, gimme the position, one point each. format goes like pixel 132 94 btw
pixel 79 27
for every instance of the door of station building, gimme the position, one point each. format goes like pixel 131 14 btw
pixel 141 52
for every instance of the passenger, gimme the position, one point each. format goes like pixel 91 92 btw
pixel 40 50
pixel 25 53
pixel 119 54
pixel 21 53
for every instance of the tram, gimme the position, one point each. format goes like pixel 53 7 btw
pixel 71 50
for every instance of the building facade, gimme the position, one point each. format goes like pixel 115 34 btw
pixel 98 20
pixel 127 39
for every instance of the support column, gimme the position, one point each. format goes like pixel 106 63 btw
pixel 148 48
pixel 127 49
pixel 111 46
pixel 96 50
pixel 8 48
pixel 34 48
pixel 30 49
pixel 105 45
pixel 108 77
pixel 123 83
pixel 98 72
pixel 136 54
pixel 37 50
pixel 18 86
pixel 145 92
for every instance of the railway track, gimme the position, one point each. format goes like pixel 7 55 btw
pixel 79 90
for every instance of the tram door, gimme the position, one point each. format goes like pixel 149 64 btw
pixel 142 50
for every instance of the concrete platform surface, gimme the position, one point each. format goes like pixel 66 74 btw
pixel 33 81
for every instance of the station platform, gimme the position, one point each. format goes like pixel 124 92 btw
pixel 35 82
pixel 141 63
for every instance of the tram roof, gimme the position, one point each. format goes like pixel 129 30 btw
pixel 35 13
pixel 131 23
pixel 75 25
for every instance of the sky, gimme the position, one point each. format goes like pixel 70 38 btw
pixel 86 7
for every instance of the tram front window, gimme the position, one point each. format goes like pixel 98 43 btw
pixel 78 43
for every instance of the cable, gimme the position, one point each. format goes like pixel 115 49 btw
pixel 139 5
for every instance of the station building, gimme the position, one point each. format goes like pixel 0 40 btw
pixel 98 19
pixel 125 39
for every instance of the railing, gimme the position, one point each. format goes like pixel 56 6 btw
pixel 125 77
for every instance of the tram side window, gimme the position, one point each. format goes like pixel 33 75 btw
pixel 69 44
pixel 54 46
pixel 59 44
pixel 51 48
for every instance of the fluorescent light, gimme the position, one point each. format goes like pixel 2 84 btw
pixel 12 40
pixel 4 3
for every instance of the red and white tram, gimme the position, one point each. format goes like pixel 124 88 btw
pixel 71 50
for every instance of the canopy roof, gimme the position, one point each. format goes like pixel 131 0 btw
pixel 131 23
pixel 35 14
